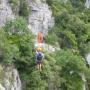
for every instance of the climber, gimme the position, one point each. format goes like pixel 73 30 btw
pixel 40 37
pixel 39 58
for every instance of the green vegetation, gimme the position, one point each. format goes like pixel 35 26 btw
pixel 51 38
pixel 72 31
pixel 15 38
pixel 71 24
pixel 24 8
pixel 63 69
pixel 20 7
pixel 15 5
pixel 1 75
pixel 14 2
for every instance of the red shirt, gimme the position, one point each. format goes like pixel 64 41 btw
pixel 40 37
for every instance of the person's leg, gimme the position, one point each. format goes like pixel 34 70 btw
pixel 37 65
pixel 40 67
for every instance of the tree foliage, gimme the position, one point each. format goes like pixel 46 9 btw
pixel 63 69
pixel 24 8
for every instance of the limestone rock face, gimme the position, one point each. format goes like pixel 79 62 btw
pixel 5 12
pixel 41 17
pixel 88 59
pixel 87 4
pixel 9 79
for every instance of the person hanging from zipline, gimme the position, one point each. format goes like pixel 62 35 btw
pixel 39 58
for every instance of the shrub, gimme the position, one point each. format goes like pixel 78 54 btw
pixel 15 5
pixel 24 9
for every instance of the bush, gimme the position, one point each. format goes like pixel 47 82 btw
pixel 15 5
pixel 16 27
pixel 18 43
pixel 51 38
pixel 24 9
pixel 71 67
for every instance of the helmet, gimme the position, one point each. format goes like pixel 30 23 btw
pixel 40 49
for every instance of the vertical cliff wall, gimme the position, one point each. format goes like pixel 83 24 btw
pixel 5 12
pixel 87 4
pixel 41 17
pixel 9 78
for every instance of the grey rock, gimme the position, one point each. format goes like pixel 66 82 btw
pixel 87 4
pixel 41 17
pixel 88 58
pixel 11 79
pixel 5 12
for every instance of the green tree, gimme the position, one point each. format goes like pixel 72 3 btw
pixel 71 67
pixel 15 5
pixel 24 9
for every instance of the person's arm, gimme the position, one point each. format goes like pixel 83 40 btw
pixel 36 56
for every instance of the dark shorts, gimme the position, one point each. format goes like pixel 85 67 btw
pixel 39 62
